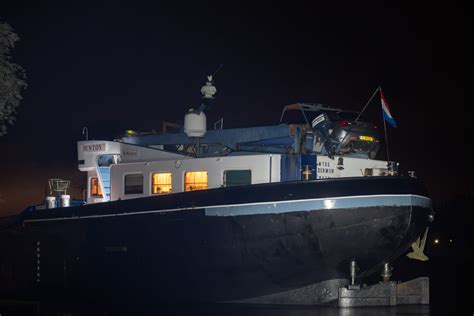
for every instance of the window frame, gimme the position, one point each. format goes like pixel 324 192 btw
pixel 224 177
pixel 100 193
pixel 194 171
pixel 152 185
pixel 125 184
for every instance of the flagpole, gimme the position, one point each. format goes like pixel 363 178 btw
pixel 373 95
pixel 385 130
pixel 386 139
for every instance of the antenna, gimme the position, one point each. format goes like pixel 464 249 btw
pixel 209 89
pixel 85 131
pixel 218 68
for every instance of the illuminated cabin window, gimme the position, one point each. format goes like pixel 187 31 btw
pixel 96 190
pixel 195 180
pixel 237 177
pixel 133 184
pixel 161 183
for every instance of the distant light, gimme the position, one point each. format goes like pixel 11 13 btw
pixel 436 241
pixel 450 240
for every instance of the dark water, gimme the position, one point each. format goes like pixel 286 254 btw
pixel 451 293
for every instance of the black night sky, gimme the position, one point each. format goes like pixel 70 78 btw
pixel 112 67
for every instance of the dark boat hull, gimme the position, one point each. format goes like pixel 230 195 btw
pixel 214 245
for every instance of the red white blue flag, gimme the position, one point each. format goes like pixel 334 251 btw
pixel 386 110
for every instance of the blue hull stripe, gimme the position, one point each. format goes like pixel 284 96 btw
pixel 319 204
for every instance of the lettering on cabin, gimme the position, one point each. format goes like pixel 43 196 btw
pixel 127 153
pixel 325 170
pixel 93 147
pixel 324 164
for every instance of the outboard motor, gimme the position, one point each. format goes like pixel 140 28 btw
pixel 321 125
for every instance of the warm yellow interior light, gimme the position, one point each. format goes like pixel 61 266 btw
pixel 96 190
pixel 161 182
pixel 195 180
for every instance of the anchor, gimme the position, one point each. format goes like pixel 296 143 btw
pixel 418 247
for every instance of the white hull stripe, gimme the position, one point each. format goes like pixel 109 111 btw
pixel 282 206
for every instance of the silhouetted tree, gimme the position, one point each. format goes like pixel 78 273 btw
pixel 12 78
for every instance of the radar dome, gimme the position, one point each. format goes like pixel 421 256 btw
pixel 195 123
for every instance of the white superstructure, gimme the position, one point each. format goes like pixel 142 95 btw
pixel 117 171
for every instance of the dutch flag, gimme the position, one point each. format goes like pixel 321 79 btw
pixel 386 110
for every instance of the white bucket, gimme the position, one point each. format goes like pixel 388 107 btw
pixel 65 200
pixel 50 202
